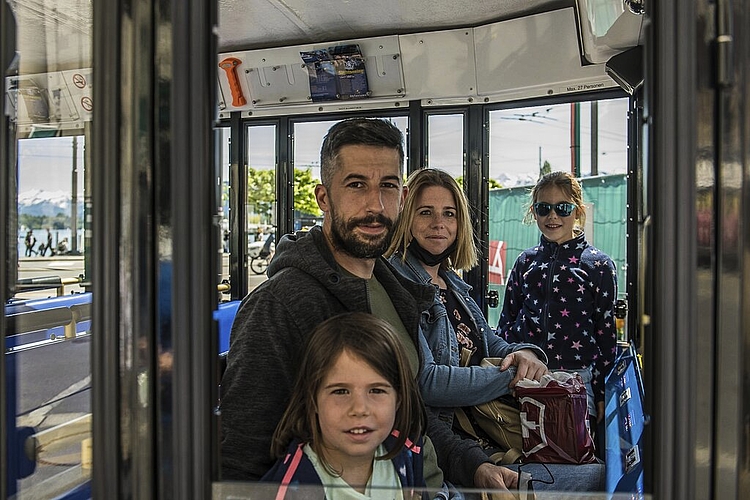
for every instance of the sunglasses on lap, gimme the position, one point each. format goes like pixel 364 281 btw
pixel 563 209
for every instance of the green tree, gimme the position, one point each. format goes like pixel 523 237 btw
pixel 492 183
pixel 304 191
pixel 59 221
pixel 32 221
pixel 546 169
pixel 261 191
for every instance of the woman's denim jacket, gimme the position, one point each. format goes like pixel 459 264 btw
pixel 442 381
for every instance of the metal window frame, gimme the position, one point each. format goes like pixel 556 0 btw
pixel 155 237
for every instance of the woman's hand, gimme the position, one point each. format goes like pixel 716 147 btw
pixel 527 366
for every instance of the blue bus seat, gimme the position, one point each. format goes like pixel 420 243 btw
pixel 224 315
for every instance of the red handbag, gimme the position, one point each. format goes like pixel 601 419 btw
pixel 555 419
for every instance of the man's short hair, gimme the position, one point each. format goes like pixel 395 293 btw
pixel 357 131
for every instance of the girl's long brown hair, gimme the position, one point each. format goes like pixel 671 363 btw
pixel 370 339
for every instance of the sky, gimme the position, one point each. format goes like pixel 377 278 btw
pixel 47 164
pixel 519 139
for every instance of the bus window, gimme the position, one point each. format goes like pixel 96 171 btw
pixel 445 143
pixel 48 354
pixel 588 139
pixel 222 145
pixel 261 200
pixel 47 115
pixel 308 137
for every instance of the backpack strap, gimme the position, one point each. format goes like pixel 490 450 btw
pixel 465 423
pixel 296 459
pixel 511 456
pixel 464 357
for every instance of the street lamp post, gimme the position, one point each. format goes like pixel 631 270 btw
pixel 74 200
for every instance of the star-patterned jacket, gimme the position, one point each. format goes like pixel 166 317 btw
pixel 561 297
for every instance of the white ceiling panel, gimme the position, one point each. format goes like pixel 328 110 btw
pixel 54 35
pixel 253 24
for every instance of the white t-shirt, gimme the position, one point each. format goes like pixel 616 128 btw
pixel 387 483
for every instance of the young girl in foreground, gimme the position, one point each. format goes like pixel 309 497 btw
pixel 561 293
pixel 355 417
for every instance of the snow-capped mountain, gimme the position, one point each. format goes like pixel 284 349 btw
pixel 49 203
pixel 514 180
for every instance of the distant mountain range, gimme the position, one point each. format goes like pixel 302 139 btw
pixel 48 203
pixel 508 181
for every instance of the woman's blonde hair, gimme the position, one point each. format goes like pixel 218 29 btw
pixel 371 340
pixel 570 187
pixel 464 257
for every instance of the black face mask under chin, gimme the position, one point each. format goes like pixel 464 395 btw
pixel 429 258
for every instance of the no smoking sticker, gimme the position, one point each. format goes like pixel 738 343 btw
pixel 86 103
pixel 79 80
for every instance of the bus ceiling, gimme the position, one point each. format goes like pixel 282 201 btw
pixel 300 22
pixel 553 52
pixel 435 51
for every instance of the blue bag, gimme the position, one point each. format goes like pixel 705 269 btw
pixel 625 421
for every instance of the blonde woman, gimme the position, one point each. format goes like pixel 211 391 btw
pixel 432 239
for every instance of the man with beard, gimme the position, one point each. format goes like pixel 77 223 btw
pixel 331 270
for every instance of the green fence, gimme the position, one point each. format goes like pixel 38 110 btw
pixel 606 212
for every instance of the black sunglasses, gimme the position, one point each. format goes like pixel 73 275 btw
pixel 563 209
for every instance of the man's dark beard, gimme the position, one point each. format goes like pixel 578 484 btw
pixel 345 240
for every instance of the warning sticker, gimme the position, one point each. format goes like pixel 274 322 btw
pixel 87 103
pixel 79 80
pixel 582 87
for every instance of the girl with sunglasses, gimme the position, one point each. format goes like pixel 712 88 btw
pixel 561 293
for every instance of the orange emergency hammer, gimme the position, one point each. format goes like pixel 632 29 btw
pixel 230 66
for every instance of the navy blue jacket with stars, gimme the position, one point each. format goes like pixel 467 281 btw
pixel 561 297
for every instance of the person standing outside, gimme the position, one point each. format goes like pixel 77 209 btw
pixel 30 241
pixel 561 293
pixel 48 246
pixel 321 273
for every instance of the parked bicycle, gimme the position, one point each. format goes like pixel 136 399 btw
pixel 261 253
